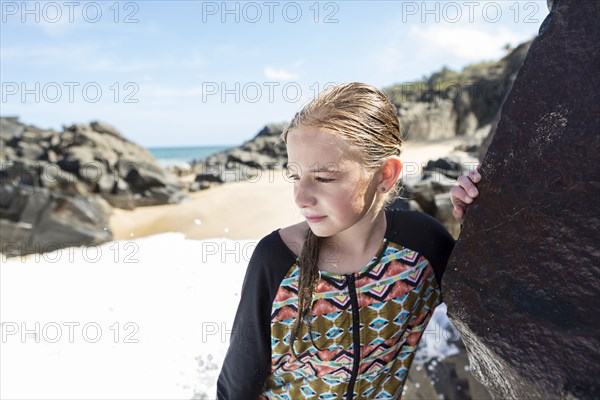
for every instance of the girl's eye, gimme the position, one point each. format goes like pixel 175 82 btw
pixel 295 178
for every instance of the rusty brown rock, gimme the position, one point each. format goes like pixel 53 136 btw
pixel 523 283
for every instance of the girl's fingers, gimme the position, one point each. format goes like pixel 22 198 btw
pixel 467 185
pixel 459 197
pixel 475 176
pixel 456 193
pixel 458 213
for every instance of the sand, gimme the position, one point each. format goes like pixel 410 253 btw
pixel 240 210
pixel 247 209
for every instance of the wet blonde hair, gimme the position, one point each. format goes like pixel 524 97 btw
pixel 364 117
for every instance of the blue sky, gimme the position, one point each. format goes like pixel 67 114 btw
pixel 185 73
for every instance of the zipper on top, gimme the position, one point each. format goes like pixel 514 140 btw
pixel 355 334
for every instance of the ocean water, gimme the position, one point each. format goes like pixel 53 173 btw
pixel 182 156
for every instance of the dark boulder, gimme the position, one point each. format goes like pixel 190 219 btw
pixel 37 220
pixel 95 154
pixel 265 151
pixel 10 128
pixel 57 189
pixel 450 166
pixel 523 283
pixel 103 127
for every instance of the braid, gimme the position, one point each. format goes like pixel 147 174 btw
pixel 307 286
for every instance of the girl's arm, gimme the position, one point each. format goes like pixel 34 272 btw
pixel 248 359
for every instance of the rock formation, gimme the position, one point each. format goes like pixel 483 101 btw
pixel 523 282
pixel 449 104
pixel 264 151
pixel 431 194
pixel 57 188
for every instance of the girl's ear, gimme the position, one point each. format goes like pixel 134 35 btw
pixel 390 171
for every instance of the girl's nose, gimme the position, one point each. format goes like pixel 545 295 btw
pixel 303 194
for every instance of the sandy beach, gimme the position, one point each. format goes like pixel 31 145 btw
pixel 247 209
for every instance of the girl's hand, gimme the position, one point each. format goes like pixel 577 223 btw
pixel 463 193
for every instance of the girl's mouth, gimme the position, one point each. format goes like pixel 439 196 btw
pixel 315 219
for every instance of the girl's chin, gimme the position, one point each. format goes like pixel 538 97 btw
pixel 321 231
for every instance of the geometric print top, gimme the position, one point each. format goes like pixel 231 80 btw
pixel 393 297
pixel 365 326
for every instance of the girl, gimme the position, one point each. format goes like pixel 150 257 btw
pixel 334 307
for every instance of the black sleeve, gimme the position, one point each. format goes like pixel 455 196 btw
pixel 248 359
pixel 425 234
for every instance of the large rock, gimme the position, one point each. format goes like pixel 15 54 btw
pixel 243 163
pixel 96 154
pixel 523 283
pixel 449 104
pixel 57 189
pixel 37 220
pixel 428 119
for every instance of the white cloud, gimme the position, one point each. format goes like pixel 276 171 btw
pixel 468 43
pixel 280 74
pixel 420 49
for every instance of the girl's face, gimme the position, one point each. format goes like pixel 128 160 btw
pixel 330 181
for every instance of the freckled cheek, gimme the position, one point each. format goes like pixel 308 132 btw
pixel 355 195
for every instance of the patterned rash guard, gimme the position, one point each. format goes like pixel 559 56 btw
pixel 365 325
